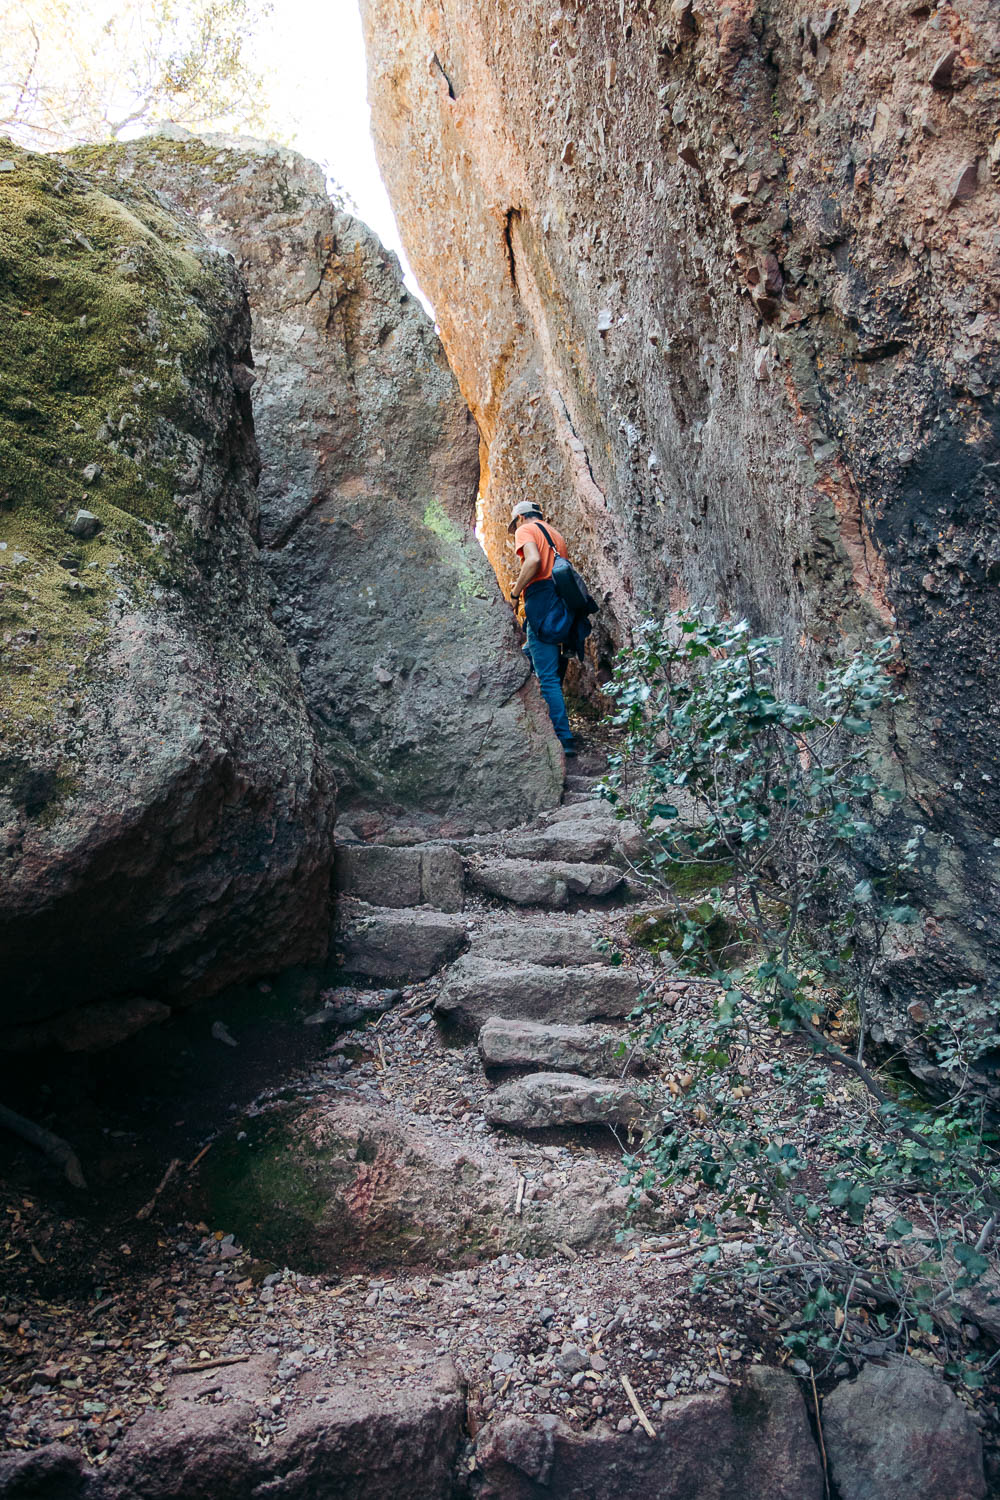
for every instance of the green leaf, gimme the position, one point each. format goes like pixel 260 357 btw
pixel 974 1263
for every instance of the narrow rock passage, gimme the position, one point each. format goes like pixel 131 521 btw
pixel 409 1266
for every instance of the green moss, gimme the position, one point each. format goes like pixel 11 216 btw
pixel 663 930
pixel 265 1190
pixel 105 317
pixel 438 521
pixel 105 160
pixel 692 879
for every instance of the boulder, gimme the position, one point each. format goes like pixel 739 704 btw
pixel 386 875
pixel 529 883
pixel 397 944
pixel 897 1432
pixel 165 814
pixel 476 990
pixel 53 1472
pixel 550 1047
pixel 410 661
pixel 752 1442
pixel 541 1100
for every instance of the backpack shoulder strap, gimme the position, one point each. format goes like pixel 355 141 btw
pixel 547 538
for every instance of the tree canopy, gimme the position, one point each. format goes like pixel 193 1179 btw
pixel 93 71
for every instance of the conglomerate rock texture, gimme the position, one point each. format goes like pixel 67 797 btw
pixel 718 281
pixel 165 815
pixel 368 490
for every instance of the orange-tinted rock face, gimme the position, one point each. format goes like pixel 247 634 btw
pixel 719 284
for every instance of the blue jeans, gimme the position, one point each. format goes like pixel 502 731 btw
pixel 545 660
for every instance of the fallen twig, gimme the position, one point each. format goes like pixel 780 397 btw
pixel 192 1164
pixel 147 1208
pixel 644 1421
pixel 522 1183
pixel 53 1146
pixel 421 1003
pixel 210 1364
pixel 819 1432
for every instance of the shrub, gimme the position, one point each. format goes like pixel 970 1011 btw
pixel 722 770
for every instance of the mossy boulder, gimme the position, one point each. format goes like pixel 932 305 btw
pixel 164 813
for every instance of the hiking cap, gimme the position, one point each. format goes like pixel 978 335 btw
pixel 521 512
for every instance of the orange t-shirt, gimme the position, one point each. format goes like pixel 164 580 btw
pixel 545 552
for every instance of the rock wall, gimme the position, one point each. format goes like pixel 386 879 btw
pixel 165 816
pixel 718 281
pixel 370 470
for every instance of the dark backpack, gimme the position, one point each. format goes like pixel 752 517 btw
pixel 569 584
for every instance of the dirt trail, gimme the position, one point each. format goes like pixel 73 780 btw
pixel 404 1191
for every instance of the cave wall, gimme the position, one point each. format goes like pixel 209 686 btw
pixel 369 473
pixel 718 280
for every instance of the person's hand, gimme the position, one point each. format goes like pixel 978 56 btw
pixel 514 596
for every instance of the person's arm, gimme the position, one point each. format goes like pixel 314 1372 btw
pixel 530 568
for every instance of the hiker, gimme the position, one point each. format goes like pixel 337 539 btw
pixel 553 625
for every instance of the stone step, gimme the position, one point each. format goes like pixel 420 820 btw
pixel 551 1047
pixel 570 943
pixel 533 883
pixel 476 990
pixel 577 805
pixel 583 841
pixel 542 1100
pixel 413 875
pixel 396 942
pixel 578 783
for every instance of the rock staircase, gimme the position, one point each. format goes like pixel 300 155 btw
pixel 514 922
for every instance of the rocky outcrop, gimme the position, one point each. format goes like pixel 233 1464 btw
pixel 165 818
pixel 370 468
pixel 392 1421
pixel 711 275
